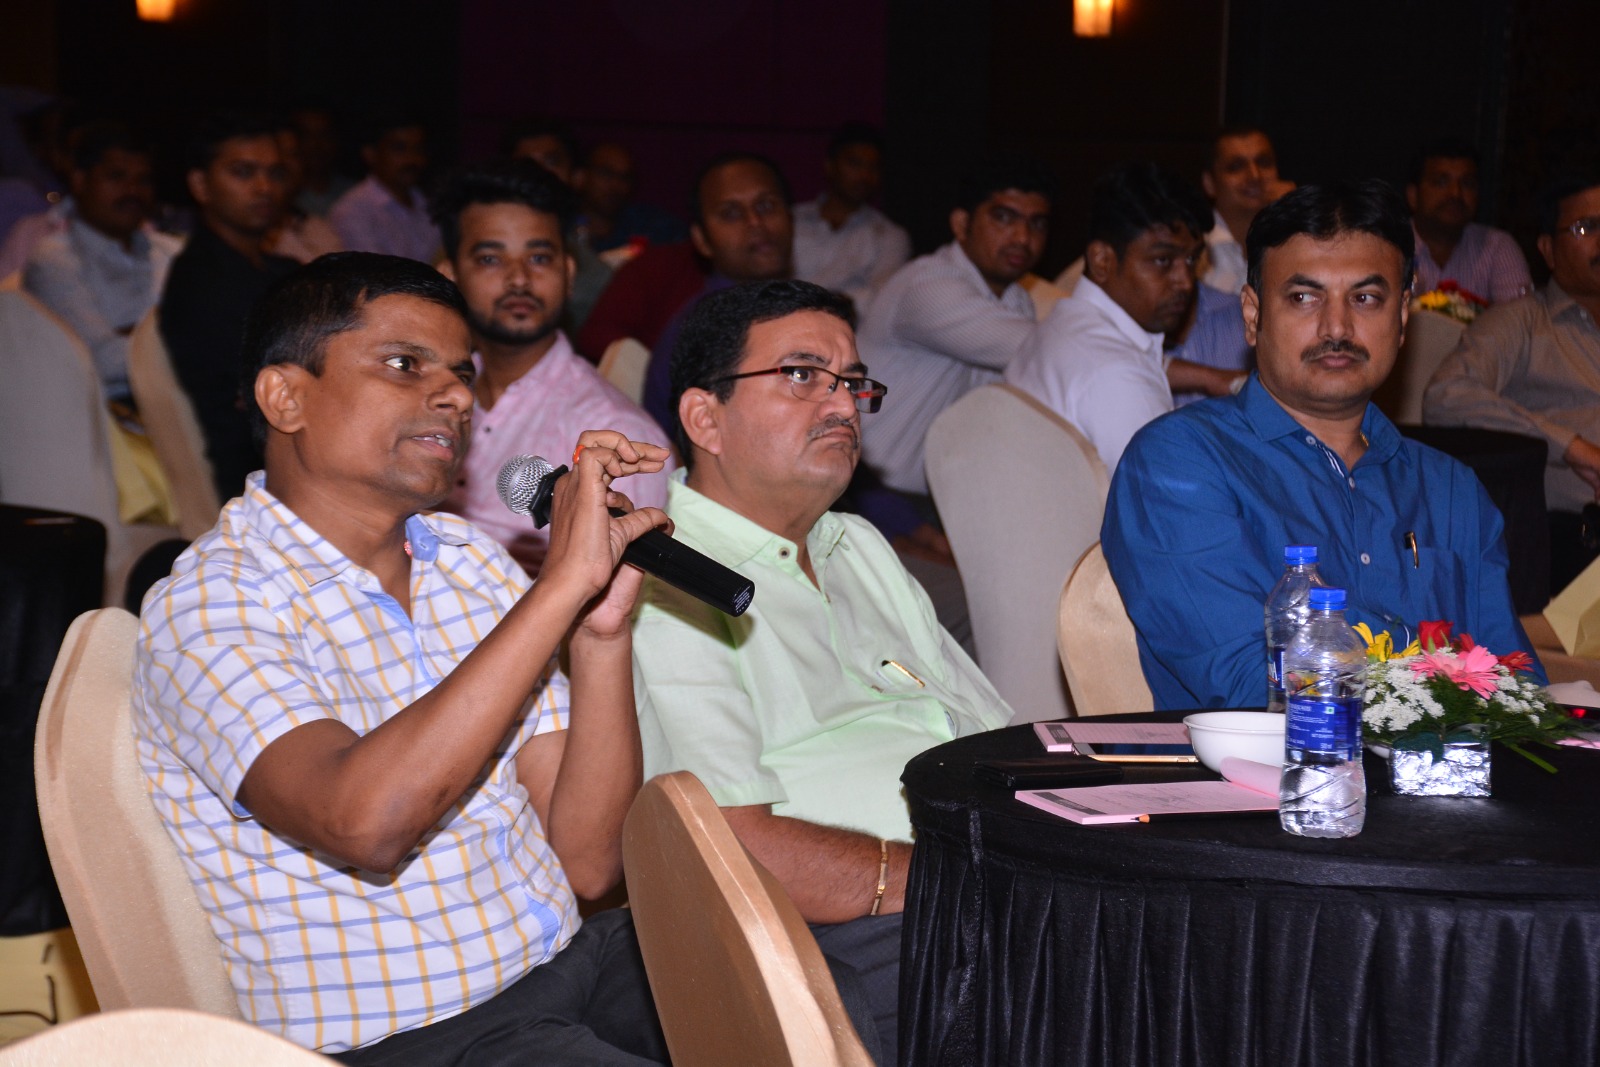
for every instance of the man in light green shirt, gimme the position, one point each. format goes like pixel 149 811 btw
pixel 799 715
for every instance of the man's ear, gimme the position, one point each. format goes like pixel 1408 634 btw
pixel 447 267
pixel 1208 184
pixel 368 153
pixel 1411 197
pixel 960 220
pixel 1099 260
pixel 278 395
pixel 196 181
pixel 1547 249
pixel 700 415
pixel 698 236
pixel 1250 308
pixel 572 271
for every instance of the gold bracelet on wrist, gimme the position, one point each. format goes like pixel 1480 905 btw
pixel 883 875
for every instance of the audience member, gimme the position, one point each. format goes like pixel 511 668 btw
pixel 644 295
pixel 505 227
pixel 321 184
pixel 296 234
pixel 554 147
pixel 799 714
pixel 1532 366
pixel 236 178
pixel 386 212
pixel 1443 196
pixel 105 270
pixel 1241 179
pixel 611 218
pixel 1215 339
pixel 743 225
pixel 1206 498
pixel 842 242
pixel 951 321
pixel 1097 360
pixel 349 717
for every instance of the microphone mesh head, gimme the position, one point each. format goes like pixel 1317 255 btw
pixel 519 480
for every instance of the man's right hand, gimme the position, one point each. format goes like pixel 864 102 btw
pixel 1584 458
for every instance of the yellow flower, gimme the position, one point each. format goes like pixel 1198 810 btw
pixel 1379 647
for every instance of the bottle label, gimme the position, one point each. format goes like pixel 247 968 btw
pixel 1275 667
pixel 1329 725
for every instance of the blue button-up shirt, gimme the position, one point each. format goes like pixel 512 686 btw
pixel 1206 498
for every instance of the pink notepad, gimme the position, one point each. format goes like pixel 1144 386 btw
pixel 1247 787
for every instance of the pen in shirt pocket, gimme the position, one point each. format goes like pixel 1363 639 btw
pixel 890 668
pixel 1411 543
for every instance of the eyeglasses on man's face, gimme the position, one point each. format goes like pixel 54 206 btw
pixel 814 384
pixel 1584 227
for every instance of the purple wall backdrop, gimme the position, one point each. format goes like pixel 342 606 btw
pixel 677 81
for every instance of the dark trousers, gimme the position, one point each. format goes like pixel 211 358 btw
pixel 591 1004
pixel 1572 541
pixel 864 956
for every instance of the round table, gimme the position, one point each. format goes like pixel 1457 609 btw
pixel 1450 932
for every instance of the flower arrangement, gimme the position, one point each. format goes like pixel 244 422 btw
pixel 1450 299
pixel 1430 691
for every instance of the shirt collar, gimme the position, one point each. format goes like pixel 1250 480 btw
pixel 954 253
pixel 1220 234
pixel 1271 421
pixel 313 556
pixel 103 246
pixel 730 538
pixel 1558 301
pixel 549 364
pixel 1137 335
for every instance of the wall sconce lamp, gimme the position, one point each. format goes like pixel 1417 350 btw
pixel 157 10
pixel 1090 18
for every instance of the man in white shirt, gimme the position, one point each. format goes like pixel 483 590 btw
pixel 386 212
pixel 1097 360
pixel 842 242
pixel 1241 179
pixel 505 227
pixel 105 268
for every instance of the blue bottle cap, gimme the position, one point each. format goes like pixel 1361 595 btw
pixel 1295 555
pixel 1323 599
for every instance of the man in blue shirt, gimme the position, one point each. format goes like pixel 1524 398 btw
pixel 1205 498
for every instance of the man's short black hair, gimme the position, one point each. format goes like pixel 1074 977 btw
pixel 1443 148
pixel 502 181
pixel 296 316
pixel 724 159
pixel 854 133
pixel 996 174
pixel 1565 184
pixel 1323 212
pixel 1135 197
pixel 541 126
pixel 92 141
pixel 216 130
pixel 714 334
pixel 1237 129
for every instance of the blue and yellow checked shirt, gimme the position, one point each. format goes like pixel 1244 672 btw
pixel 263 626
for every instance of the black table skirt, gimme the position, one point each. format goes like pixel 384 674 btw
pixel 1451 932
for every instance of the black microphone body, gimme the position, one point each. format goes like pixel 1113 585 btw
pixel 526 485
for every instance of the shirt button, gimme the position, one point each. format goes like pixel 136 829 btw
pixel 783 553
pixel 1365 558
pixel 1352 482
pixel 1310 440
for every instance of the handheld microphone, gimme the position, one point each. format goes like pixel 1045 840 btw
pixel 526 484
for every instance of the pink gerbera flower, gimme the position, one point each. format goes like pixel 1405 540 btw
pixel 1474 669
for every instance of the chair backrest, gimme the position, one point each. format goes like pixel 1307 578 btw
pixel 1044 294
pixel 146 941
pixel 170 421
pixel 1430 337
pixel 1068 280
pixel 736 974
pixel 55 437
pixel 1020 493
pixel 623 365
pixel 156 1037
pixel 1099 650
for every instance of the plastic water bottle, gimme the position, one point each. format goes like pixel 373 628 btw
pixel 1323 792
pixel 1288 608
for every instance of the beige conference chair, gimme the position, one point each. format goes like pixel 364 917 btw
pixel 174 430
pixel 55 435
pixel 736 975
pixel 1430 337
pixel 157 1037
pixel 1099 650
pixel 145 940
pixel 623 365
pixel 1020 493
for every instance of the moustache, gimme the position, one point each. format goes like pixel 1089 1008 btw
pixel 832 423
pixel 1336 348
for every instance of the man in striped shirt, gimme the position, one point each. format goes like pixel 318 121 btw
pixel 386 795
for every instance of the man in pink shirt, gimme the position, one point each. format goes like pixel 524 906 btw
pixel 505 228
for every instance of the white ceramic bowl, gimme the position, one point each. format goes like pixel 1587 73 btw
pixel 1251 735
